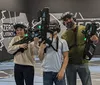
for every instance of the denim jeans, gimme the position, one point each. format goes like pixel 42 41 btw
pixel 50 77
pixel 83 72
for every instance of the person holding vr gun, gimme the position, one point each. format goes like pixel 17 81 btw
pixel 75 38
pixel 55 59
pixel 24 60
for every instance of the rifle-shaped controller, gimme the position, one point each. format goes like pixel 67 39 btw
pixel 90 46
pixel 44 17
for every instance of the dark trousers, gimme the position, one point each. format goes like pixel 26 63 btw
pixel 24 73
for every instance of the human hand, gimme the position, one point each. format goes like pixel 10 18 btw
pixel 42 45
pixel 94 38
pixel 60 75
pixel 25 46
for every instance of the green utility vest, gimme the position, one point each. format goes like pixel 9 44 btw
pixel 76 45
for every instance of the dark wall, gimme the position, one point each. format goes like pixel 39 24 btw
pixel 14 5
pixel 87 7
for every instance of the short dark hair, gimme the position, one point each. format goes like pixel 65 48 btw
pixel 19 26
pixel 68 15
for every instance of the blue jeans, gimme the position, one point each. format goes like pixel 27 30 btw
pixel 50 77
pixel 83 72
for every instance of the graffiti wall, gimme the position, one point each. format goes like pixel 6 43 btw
pixel 7 20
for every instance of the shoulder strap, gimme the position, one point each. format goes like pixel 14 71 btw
pixel 57 44
pixel 75 39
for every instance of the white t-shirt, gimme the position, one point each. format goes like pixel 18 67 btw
pixel 53 60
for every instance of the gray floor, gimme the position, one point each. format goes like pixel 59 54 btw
pixel 6 73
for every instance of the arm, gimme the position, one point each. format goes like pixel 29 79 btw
pixel 34 46
pixel 65 61
pixel 65 50
pixel 60 75
pixel 41 51
pixel 12 48
pixel 41 54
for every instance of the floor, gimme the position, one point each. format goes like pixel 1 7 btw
pixel 6 73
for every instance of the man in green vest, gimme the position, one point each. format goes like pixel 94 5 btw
pixel 76 43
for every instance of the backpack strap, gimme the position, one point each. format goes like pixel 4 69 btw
pixel 75 39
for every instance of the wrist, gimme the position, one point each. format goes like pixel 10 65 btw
pixel 41 50
pixel 19 46
pixel 62 70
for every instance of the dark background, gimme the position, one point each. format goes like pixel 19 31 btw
pixel 88 8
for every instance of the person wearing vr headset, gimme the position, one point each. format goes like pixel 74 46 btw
pixel 76 43
pixel 54 62
pixel 24 61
